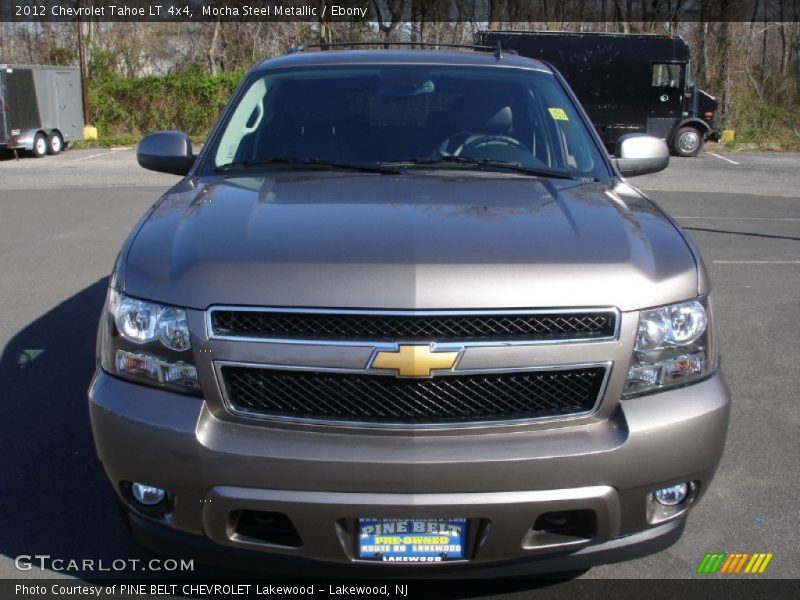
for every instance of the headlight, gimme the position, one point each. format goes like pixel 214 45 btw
pixel 147 342
pixel 141 322
pixel 136 319
pixel 173 329
pixel 674 346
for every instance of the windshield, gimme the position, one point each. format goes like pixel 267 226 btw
pixel 414 116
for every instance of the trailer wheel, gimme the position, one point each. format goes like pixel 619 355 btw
pixel 55 143
pixel 39 145
pixel 687 142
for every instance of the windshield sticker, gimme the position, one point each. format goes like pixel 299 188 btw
pixel 558 114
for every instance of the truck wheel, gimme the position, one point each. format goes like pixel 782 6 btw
pixel 39 145
pixel 55 143
pixel 687 142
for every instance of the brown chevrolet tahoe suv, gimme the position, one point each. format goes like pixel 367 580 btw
pixel 403 313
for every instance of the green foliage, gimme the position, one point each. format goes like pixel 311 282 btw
pixel 101 66
pixel 759 124
pixel 125 109
pixel 105 141
pixel 188 100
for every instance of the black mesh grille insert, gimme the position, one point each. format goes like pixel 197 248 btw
pixel 378 327
pixel 377 398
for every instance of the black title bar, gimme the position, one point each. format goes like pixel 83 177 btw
pixel 482 12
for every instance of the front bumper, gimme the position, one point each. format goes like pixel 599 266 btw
pixel 324 480
pixel 178 544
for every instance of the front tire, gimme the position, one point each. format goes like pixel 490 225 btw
pixel 55 143
pixel 39 149
pixel 687 142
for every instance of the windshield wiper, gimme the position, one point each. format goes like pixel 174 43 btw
pixel 482 163
pixel 308 162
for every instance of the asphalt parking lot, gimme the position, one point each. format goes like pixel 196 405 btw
pixel 62 220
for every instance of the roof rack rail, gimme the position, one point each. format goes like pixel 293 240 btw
pixel 498 51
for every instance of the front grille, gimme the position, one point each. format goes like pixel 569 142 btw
pixel 430 328
pixel 387 399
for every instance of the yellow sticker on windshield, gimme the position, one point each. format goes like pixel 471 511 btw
pixel 558 114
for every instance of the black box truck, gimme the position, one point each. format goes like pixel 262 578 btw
pixel 41 108
pixel 628 83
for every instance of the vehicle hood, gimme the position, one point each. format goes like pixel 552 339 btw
pixel 414 241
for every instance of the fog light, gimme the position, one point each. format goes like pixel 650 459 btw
pixel 673 495
pixel 147 494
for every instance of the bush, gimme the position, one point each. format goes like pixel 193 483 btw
pixel 188 100
pixel 758 123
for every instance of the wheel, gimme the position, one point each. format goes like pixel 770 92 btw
pixel 55 143
pixel 39 145
pixel 485 140
pixel 687 142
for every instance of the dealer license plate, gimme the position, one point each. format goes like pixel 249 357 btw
pixel 412 540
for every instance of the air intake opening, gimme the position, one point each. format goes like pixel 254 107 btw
pixel 566 527
pixel 380 399
pixel 265 527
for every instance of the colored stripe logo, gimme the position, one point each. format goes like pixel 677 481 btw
pixel 734 563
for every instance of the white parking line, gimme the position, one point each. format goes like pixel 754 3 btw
pixel 757 262
pixel 99 154
pixel 733 162
pixel 743 218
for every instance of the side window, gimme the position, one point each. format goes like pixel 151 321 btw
pixel 666 75
pixel 558 140
pixel 574 146
pixel 237 142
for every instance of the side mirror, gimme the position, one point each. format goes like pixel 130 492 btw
pixel 639 154
pixel 166 152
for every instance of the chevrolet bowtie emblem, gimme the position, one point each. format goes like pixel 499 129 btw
pixel 414 361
